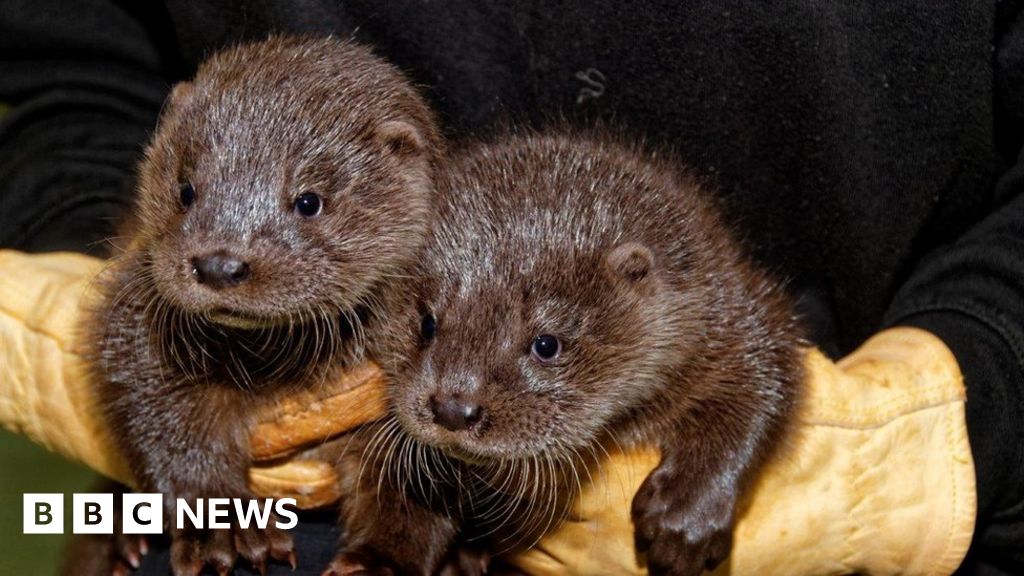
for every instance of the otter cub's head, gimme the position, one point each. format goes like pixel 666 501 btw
pixel 549 315
pixel 286 180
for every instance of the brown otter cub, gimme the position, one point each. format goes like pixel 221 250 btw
pixel 577 293
pixel 286 192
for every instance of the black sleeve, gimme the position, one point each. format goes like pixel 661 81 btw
pixel 81 84
pixel 971 295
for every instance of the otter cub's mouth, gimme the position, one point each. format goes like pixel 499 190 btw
pixel 485 455
pixel 466 456
pixel 233 319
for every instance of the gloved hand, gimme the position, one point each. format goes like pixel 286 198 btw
pixel 46 393
pixel 876 478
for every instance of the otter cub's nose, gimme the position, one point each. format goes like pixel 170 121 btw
pixel 219 270
pixel 454 412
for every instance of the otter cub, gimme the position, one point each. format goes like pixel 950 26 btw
pixel 577 293
pixel 284 195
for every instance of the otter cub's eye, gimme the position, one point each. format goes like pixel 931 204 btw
pixel 546 347
pixel 428 327
pixel 187 195
pixel 308 204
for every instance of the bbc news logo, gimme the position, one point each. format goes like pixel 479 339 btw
pixel 143 513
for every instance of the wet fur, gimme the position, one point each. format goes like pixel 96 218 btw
pixel 260 124
pixel 672 337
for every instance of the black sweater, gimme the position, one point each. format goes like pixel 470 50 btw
pixel 867 150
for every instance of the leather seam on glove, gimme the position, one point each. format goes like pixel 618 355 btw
pixel 957 513
pixel 905 406
pixel 849 562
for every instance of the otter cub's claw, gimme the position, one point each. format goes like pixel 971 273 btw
pixel 127 552
pixel 682 532
pixel 193 550
pixel 259 546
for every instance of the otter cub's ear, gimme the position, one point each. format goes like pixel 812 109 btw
pixel 179 94
pixel 400 138
pixel 631 261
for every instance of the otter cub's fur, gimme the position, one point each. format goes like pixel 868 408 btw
pixel 577 293
pixel 285 195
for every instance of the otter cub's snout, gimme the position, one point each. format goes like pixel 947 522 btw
pixel 455 412
pixel 219 270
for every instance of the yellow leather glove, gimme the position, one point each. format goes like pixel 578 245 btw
pixel 877 477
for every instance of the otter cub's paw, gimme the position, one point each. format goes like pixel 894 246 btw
pixel 683 529
pixel 192 550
